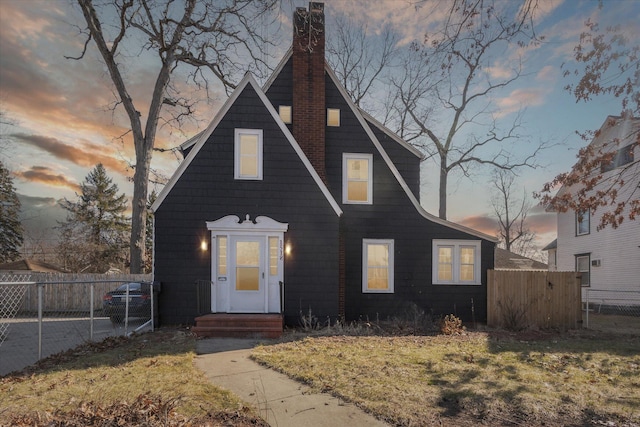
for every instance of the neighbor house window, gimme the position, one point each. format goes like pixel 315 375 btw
pixel 456 262
pixel 583 265
pixel 377 266
pixel 248 154
pixel 285 113
pixel 333 117
pixel 357 178
pixel 582 222
pixel 622 157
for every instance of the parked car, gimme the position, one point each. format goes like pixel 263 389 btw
pixel 114 303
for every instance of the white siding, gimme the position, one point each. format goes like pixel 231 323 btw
pixel 617 249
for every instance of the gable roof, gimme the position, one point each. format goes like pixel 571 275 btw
pixel 200 140
pixel 507 260
pixel 363 118
pixel 552 245
pixel 616 132
pixel 31 265
pixel 394 170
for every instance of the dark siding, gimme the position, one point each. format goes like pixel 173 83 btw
pixel 281 90
pixel 407 163
pixel 393 216
pixel 207 191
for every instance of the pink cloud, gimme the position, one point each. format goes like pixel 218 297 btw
pixel 83 153
pixel 45 175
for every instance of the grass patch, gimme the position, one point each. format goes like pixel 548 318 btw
pixel 478 377
pixel 148 372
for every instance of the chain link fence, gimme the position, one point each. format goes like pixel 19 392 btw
pixel 39 318
pixel 611 310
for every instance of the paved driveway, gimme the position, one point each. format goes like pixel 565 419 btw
pixel 20 347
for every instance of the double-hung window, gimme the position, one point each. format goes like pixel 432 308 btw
pixel 357 178
pixel 248 154
pixel 583 265
pixel 456 262
pixel 582 222
pixel 377 266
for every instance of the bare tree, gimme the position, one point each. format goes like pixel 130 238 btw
pixel 607 64
pixel 447 88
pixel 511 213
pixel 209 37
pixel 359 66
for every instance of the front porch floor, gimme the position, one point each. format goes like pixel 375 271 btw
pixel 250 325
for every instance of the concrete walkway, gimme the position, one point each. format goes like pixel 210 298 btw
pixel 281 401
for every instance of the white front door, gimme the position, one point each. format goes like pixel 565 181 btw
pixel 247 265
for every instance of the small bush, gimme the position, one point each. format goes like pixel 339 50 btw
pixel 451 325
pixel 514 317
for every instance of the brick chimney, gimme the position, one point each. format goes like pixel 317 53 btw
pixel 309 111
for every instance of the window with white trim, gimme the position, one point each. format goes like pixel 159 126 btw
pixel 582 222
pixel 456 262
pixel 333 117
pixel 357 178
pixel 583 265
pixel 377 266
pixel 285 113
pixel 248 154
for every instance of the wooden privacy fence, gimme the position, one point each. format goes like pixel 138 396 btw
pixel 533 299
pixel 70 292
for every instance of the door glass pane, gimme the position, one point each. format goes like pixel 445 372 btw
pixel 222 255
pixel 247 266
pixel 247 279
pixel 248 254
pixel 273 256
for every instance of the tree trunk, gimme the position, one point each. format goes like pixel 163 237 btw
pixel 144 153
pixel 444 173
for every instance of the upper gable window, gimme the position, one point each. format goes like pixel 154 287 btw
pixel 285 113
pixel 248 154
pixel 622 157
pixel 456 262
pixel 582 222
pixel 357 178
pixel 333 117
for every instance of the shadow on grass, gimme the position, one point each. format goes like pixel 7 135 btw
pixel 114 351
pixel 497 377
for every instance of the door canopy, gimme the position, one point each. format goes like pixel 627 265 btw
pixel 233 224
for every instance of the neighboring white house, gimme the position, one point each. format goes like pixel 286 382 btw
pixel 609 259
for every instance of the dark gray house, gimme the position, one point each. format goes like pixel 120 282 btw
pixel 293 199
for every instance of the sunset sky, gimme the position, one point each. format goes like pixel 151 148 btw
pixel 62 124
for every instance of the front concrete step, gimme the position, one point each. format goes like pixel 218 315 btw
pixel 239 325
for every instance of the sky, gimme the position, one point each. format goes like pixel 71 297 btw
pixel 59 117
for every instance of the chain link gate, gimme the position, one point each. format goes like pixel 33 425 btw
pixel 12 290
pixel 43 316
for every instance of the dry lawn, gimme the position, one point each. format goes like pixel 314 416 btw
pixel 476 378
pixel 147 380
